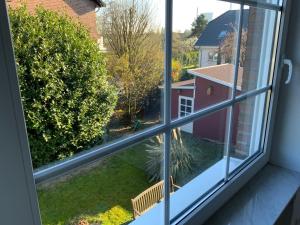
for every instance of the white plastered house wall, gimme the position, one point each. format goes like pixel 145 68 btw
pixel 204 60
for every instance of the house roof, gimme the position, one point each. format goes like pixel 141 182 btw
pixel 100 3
pixel 187 84
pixel 217 29
pixel 222 74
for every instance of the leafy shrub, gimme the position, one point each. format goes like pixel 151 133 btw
pixel 176 69
pixel 181 159
pixel 66 97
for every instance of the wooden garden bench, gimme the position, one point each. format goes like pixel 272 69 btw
pixel 148 198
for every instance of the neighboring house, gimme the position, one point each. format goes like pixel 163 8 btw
pixel 82 10
pixel 210 86
pixel 214 34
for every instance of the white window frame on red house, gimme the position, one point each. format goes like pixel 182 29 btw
pixel 16 145
pixel 186 98
pixel 187 127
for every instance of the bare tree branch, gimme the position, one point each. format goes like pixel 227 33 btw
pixel 136 56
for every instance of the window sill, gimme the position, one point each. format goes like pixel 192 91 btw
pixel 187 194
pixel 261 201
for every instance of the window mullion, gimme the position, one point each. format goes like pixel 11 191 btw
pixel 167 108
pixel 237 53
pixel 263 123
pixel 229 126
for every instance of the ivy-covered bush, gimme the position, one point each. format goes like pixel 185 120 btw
pixel 64 85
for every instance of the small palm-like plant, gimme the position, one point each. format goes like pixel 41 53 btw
pixel 180 158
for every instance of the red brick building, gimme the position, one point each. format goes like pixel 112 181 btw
pixel 82 10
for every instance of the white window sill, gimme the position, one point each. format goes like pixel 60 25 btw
pixel 187 194
pixel 261 201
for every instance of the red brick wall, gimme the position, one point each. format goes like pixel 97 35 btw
pixel 251 69
pixel 82 10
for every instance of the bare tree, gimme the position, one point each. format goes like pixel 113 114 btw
pixel 136 56
pixel 228 47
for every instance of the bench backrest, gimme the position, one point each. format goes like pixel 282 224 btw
pixel 148 198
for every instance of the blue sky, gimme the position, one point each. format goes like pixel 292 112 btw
pixel 184 12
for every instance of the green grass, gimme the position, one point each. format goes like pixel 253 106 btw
pixel 106 188
pixel 104 193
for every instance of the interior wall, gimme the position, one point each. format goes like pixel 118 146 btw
pixel 286 144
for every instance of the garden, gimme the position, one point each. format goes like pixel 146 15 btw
pixel 103 194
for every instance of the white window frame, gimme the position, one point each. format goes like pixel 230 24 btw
pixel 219 196
pixel 261 80
pixel 201 210
pixel 187 127
pixel 179 105
pixel 19 203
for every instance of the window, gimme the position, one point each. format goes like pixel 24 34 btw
pixel 222 34
pixel 130 138
pixel 186 106
pixel 213 56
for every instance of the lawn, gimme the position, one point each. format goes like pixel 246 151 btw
pixel 104 193
pixel 107 188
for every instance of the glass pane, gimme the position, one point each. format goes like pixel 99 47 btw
pixel 256 49
pixel 197 159
pixel 81 87
pixel 248 122
pixel 204 47
pixel 108 190
pixel 189 109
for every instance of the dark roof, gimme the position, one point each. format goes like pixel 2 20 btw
pixel 100 3
pixel 216 30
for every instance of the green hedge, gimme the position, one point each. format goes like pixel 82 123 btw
pixel 64 85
